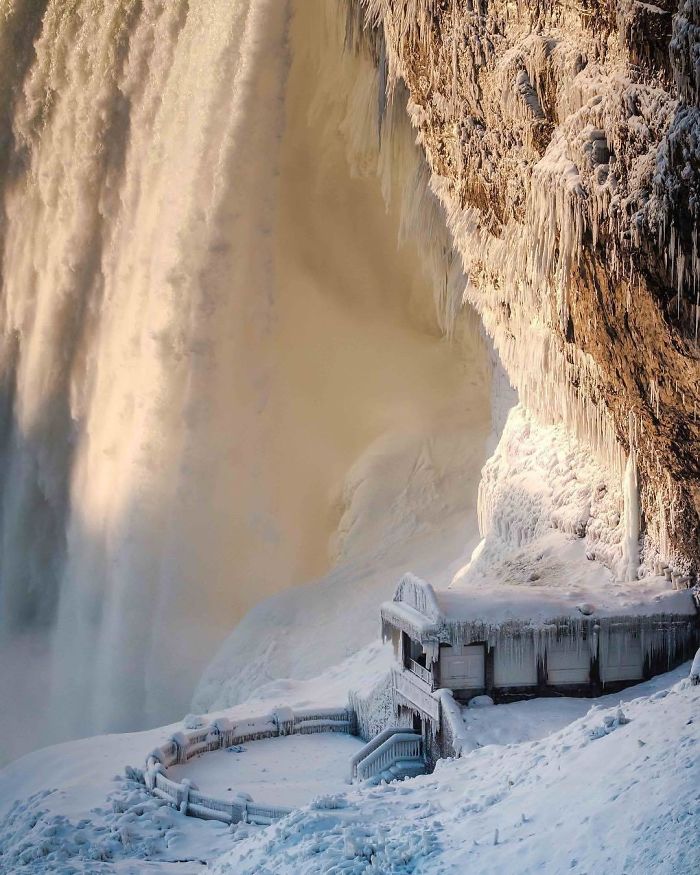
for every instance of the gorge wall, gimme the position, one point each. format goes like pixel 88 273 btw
pixel 564 141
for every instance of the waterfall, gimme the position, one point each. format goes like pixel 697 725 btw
pixel 138 274
pixel 171 450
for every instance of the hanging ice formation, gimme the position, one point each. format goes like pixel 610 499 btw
pixel 563 141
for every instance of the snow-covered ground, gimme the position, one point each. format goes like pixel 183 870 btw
pixel 614 792
pixel 285 771
pixel 556 785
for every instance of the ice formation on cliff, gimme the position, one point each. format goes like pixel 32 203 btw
pixel 563 141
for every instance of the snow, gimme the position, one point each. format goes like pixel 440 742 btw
pixel 695 669
pixel 554 532
pixel 291 770
pixel 520 773
pixel 579 799
pixel 565 597
pixel 70 805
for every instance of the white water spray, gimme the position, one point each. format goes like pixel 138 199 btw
pixel 180 391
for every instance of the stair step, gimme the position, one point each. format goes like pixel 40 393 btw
pixel 406 768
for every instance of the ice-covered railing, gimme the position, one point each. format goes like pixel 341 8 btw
pixel 372 745
pixel 223 733
pixel 391 747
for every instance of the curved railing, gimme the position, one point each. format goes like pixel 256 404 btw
pixel 223 733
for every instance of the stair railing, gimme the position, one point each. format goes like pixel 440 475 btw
pixel 399 746
pixel 372 745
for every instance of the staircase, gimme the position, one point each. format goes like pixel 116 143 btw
pixel 394 754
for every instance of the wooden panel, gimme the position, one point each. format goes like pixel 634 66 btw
pixel 463 667
pixel 514 665
pixel 621 658
pixel 568 663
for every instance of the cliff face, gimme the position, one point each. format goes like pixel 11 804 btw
pixel 564 142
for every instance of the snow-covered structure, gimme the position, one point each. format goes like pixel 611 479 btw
pixel 513 642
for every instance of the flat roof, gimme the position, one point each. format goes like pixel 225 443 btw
pixel 496 604
pixel 417 606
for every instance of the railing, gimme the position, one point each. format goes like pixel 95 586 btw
pixel 455 736
pixel 416 692
pixel 421 672
pixel 400 746
pixel 223 733
pixel 371 746
pixel 265 814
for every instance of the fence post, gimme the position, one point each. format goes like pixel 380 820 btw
pixel 180 742
pixel 150 774
pixel 184 802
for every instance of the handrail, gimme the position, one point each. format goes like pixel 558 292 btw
pixel 402 745
pixel 420 671
pixel 372 745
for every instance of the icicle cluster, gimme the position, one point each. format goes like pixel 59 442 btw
pixel 564 145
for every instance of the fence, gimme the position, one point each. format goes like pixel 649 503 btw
pixel 223 733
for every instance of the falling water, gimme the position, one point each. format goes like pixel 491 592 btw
pixel 138 276
pixel 146 414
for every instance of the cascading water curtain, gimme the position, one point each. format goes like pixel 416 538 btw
pixel 138 291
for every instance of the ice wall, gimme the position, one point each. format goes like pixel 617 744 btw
pixel 215 359
pixel 550 513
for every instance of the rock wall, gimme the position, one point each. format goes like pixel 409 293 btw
pixel 564 143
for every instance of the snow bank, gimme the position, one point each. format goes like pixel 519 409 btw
pixel 575 801
pixel 695 670
pixel 62 809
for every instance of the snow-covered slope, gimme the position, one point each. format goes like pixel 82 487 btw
pixel 615 791
pixel 550 786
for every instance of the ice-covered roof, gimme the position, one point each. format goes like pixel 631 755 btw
pixel 427 612
pixel 649 597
